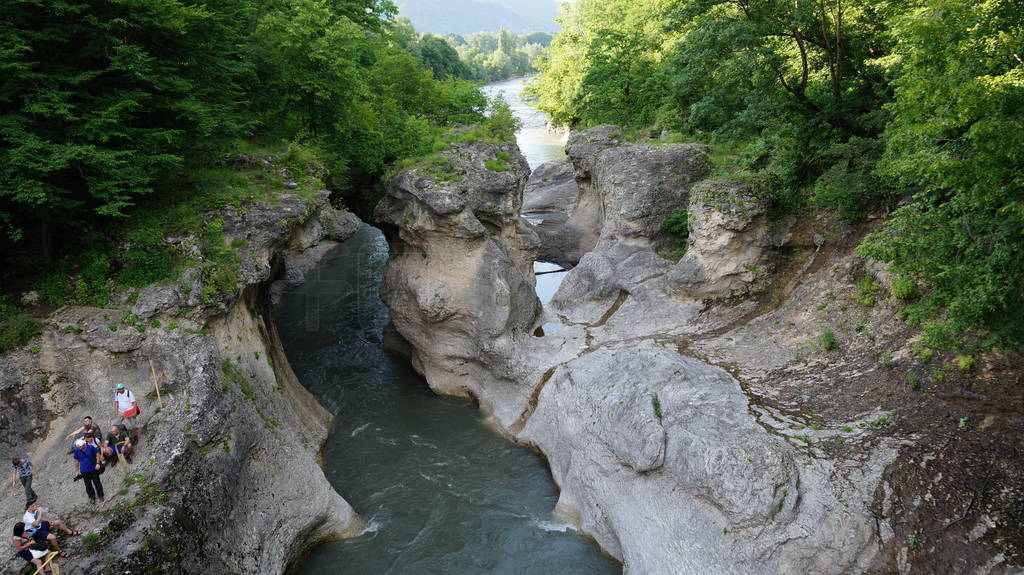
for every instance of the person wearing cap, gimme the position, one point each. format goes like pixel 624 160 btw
pixel 41 530
pixel 23 470
pixel 88 468
pixel 125 406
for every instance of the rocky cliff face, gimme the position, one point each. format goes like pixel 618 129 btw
pixel 460 282
pixel 693 413
pixel 225 477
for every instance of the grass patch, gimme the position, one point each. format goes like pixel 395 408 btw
pixel 496 165
pixel 233 374
pixel 827 340
pixel 866 290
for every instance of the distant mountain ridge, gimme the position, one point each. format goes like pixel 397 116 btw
pixel 467 16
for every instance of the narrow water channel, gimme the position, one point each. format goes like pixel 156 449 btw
pixel 440 492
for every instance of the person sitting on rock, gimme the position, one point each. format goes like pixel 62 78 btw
pixel 87 426
pixel 28 548
pixel 40 530
pixel 117 441
pixel 23 470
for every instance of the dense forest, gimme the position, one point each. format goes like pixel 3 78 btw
pixel 480 56
pixel 909 110
pixel 118 122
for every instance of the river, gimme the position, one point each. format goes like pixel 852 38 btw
pixel 441 493
pixel 537 143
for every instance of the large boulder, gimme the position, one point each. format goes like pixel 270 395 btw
pixel 552 188
pixel 658 457
pixel 626 192
pixel 728 241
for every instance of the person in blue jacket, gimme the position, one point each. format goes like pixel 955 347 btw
pixel 89 461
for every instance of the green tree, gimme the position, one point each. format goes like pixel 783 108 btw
pixel 957 140
pixel 98 99
pixel 441 58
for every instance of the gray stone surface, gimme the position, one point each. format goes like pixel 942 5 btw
pixel 626 192
pixel 226 476
pixel 659 458
pixel 664 459
pixel 728 243
pixel 552 187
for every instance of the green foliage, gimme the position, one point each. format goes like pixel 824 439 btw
pixel 866 290
pixel 827 340
pixel 678 224
pixel 849 187
pixel 147 259
pixel 957 139
pixel 965 363
pixel 854 105
pixel 100 99
pixel 487 57
pixel 112 118
pixel 904 289
pixel 233 374
pixel 605 65
pixel 16 326
pixel 656 404
pixel 496 165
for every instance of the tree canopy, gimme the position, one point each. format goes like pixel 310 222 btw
pixel 853 105
pixel 99 99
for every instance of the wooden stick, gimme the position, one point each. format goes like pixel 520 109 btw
pixel 54 568
pixel 156 382
pixel 121 458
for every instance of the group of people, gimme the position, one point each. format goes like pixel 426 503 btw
pixel 34 537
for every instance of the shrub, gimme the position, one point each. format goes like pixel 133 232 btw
pixel 827 340
pixel 866 290
pixel 965 363
pixel 147 259
pixel 678 224
pixel 904 289
pixel 16 327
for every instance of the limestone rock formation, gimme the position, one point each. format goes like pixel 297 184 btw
pixel 662 462
pixel 552 187
pixel 626 191
pixel 460 282
pixel 673 464
pixel 213 487
pixel 728 240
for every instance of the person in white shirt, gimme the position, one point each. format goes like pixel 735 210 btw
pixel 40 529
pixel 124 400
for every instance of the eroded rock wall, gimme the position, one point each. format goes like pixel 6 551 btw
pixel 225 477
